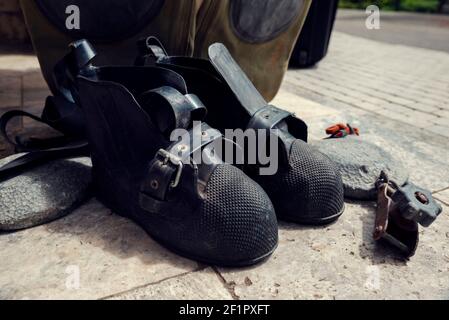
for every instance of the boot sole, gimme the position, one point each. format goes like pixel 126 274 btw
pixel 313 222
pixel 238 264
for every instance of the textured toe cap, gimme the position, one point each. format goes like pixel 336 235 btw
pixel 309 190
pixel 237 217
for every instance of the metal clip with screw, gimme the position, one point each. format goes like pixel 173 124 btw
pixel 400 210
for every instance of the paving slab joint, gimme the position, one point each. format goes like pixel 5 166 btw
pixel 199 269
pixel 229 286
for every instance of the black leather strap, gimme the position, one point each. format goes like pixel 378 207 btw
pixel 170 110
pixel 163 174
pixel 166 169
pixel 243 89
pixel 39 150
pixel 150 51
pixel 60 113
pixel 33 159
pixel 164 207
pixel 283 124
pixel 7 118
pixel 268 118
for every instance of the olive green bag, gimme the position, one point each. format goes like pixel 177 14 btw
pixel 259 34
pixel 113 26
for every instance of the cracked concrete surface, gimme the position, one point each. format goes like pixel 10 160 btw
pixel 95 254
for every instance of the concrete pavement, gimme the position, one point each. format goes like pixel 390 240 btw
pixel 407 84
pixel 397 95
pixel 427 31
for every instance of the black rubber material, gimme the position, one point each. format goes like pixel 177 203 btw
pixel 213 213
pixel 308 187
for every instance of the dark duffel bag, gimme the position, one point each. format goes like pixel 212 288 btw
pixel 314 40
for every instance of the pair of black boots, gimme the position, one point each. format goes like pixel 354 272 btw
pixel 182 192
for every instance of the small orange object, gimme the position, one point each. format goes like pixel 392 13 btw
pixel 341 130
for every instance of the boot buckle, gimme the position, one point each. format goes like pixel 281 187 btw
pixel 169 158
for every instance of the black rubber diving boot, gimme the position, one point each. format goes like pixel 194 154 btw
pixel 307 188
pixel 205 210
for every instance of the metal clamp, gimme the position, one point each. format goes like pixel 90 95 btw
pixel 170 158
pixel 400 210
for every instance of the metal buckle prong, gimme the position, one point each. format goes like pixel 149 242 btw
pixel 168 157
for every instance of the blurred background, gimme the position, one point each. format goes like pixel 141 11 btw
pixel 13 30
pixel 12 25
pixel 420 24
pixel 429 6
pixel 392 83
